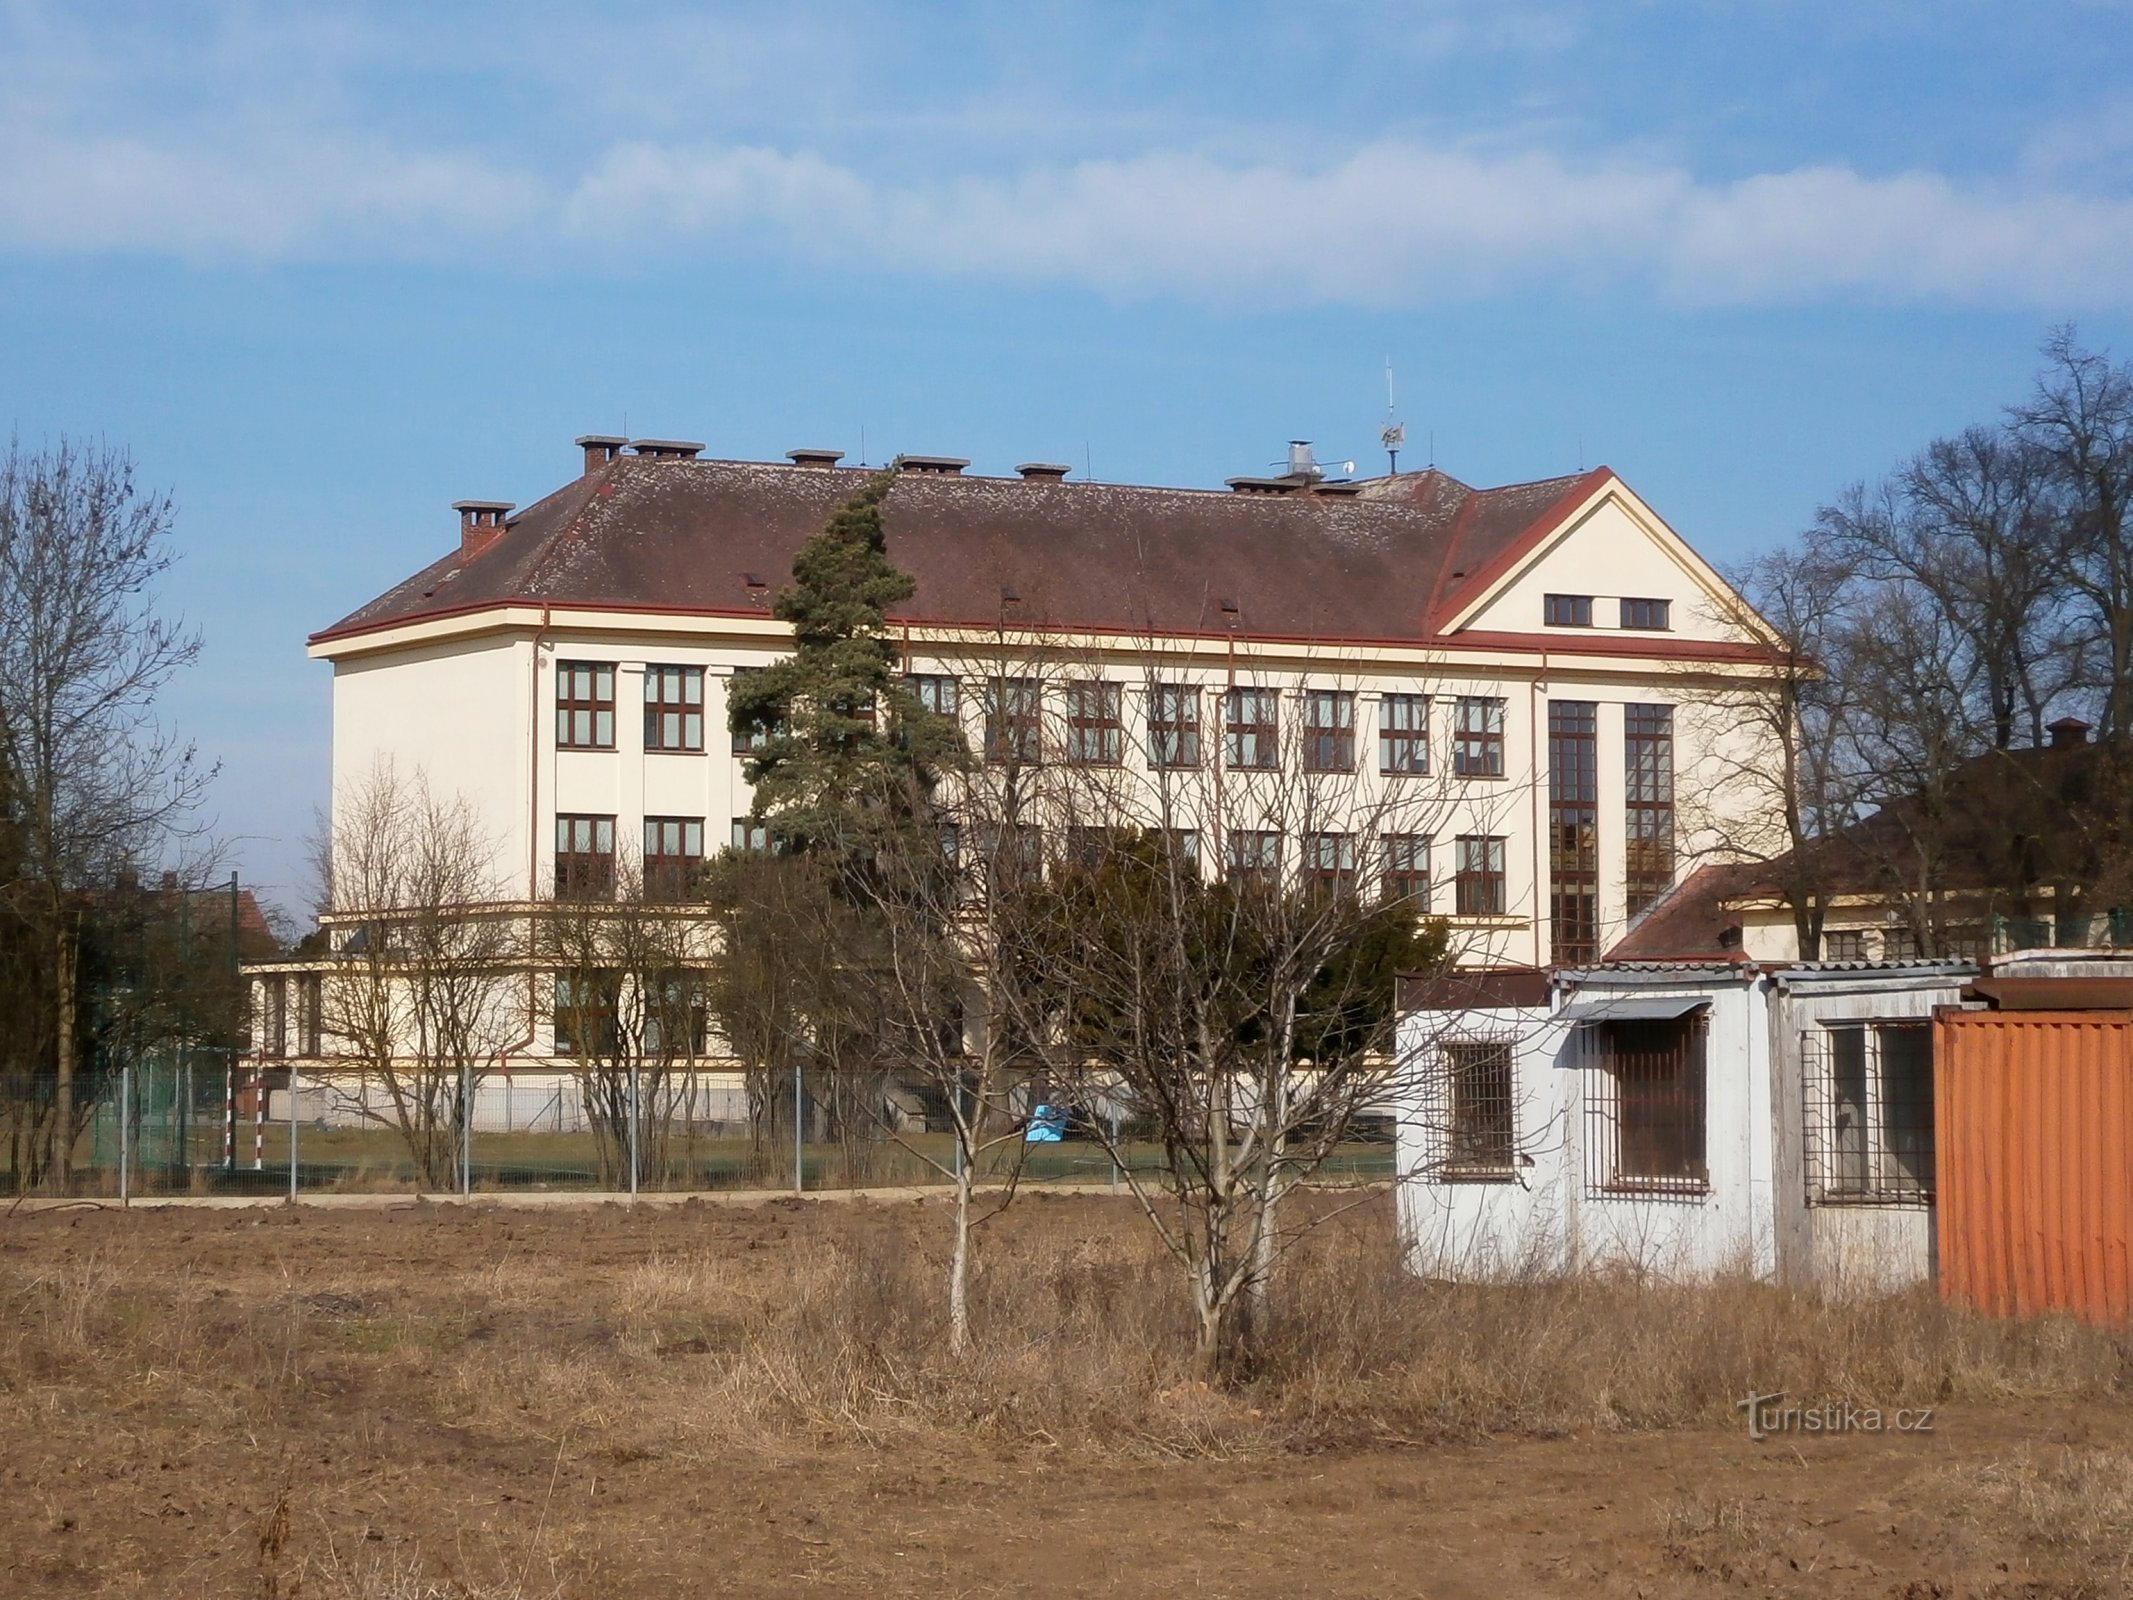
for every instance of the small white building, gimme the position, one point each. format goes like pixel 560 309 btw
pixel 1680 1118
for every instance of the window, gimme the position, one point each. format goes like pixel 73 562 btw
pixel 674 708
pixel 676 1025
pixel 1329 862
pixel 1403 735
pixel 1014 852
pixel 274 1017
pixel 584 857
pixel 1480 1129
pixel 1014 733
pixel 1406 866
pixel 584 705
pixel 673 854
pixel 1645 1112
pixel 1573 830
pixel 1653 616
pixel 1087 847
pixel 938 693
pixel 1329 730
pixel 1477 737
pixel 1094 732
pixel 1899 944
pixel 1173 725
pixel 588 1013
pixel 1567 610
pixel 1868 1097
pixel 1253 727
pixel 746 741
pixel 1478 890
pixel 1184 846
pixel 1846 944
pixel 1254 858
pixel 749 834
pixel 1648 808
pixel 310 1009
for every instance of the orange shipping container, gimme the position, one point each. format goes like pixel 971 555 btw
pixel 2034 1127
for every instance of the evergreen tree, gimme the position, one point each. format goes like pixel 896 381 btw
pixel 847 752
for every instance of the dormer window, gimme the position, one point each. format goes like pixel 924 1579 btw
pixel 1568 611
pixel 1651 616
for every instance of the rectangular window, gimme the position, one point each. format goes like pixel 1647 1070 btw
pixel 1094 731
pixel 1868 1096
pixel 310 1012
pixel 1329 862
pixel 1648 802
pixel 746 741
pixel 1480 1125
pixel 1407 867
pixel 1087 847
pixel 1844 944
pixel 1254 858
pixel 937 692
pixel 1651 616
pixel 1645 1112
pixel 1573 831
pixel 1478 889
pixel 584 857
pixel 1184 845
pixel 1477 737
pixel 1403 735
pixel 676 1023
pixel 1329 730
pixel 748 834
pixel 673 856
pixel 674 708
pixel 274 1017
pixel 588 1013
pixel 585 705
pixel 1014 726
pixel 1567 610
pixel 1173 725
pixel 1014 852
pixel 1253 727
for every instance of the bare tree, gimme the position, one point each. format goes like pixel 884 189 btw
pixel 92 780
pixel 424 988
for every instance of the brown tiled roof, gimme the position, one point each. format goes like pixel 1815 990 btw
pixel 1690 921
pixel 684 536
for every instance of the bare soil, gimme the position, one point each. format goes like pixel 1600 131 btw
pixel 606 1403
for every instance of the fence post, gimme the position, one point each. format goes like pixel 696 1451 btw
pixel 799 1135
pixel 466 1133
pixel 292 1133
pixel 125 1135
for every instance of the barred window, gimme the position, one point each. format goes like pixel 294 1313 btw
pixel 1574 830
pixel 585 705
pixel 674 708
pixel 584 857
pixel 1868 1097
pixel 1478 889
pixel 1403 735
pixel 1406 867
pixel 1173 725
pixel 1648 802
pixel 1329 730
pixel 1329 861
pixel 1094 732
pixel 1253 728
pixel 673 853
pixel 1645 1108
pixel 1477 737
pixel 1566 610
pixel 1254 858
pixel 1480 1123
pixel 1014 730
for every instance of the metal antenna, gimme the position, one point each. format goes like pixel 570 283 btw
pixel 1393 434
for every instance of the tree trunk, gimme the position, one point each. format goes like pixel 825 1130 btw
pixel 959 1265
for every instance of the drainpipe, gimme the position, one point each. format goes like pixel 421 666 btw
pixel 1533 775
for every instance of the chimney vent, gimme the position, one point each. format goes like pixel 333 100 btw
pixel 932 466
pixel 481 522
pixel 600 448
pixel 667 449
pixel 1302 464
pixel 814 458
pixel 1043 472
pixel 2068 732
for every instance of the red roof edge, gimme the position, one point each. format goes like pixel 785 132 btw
pixel 1519 548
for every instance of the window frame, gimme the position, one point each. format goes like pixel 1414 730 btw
pixel 1480 1137
pixel 938 692
pixel 1478 750
pixel 1257 868
pixel 659 710
pixel 1651 1087
pixel 1490 881
pixel 1105 723
pixel 584 874
pixel 1014 721
pixel 1566 610
pixel 1403 881
pixel 604 1013
pixel 671 874
pixel 1648 857
pixel 1573 831
pixel 1183 728
pixel 1328 746
pixel 1655 606
pixel 1263 730
pixel 1883 1156
pixel 1403 737
pixel 597 679
pixel 1337 876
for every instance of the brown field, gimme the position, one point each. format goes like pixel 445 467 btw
pixel 390 1404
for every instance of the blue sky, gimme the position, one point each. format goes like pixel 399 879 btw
pixel 325 269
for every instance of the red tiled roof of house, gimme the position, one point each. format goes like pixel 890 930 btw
pixel 685 536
